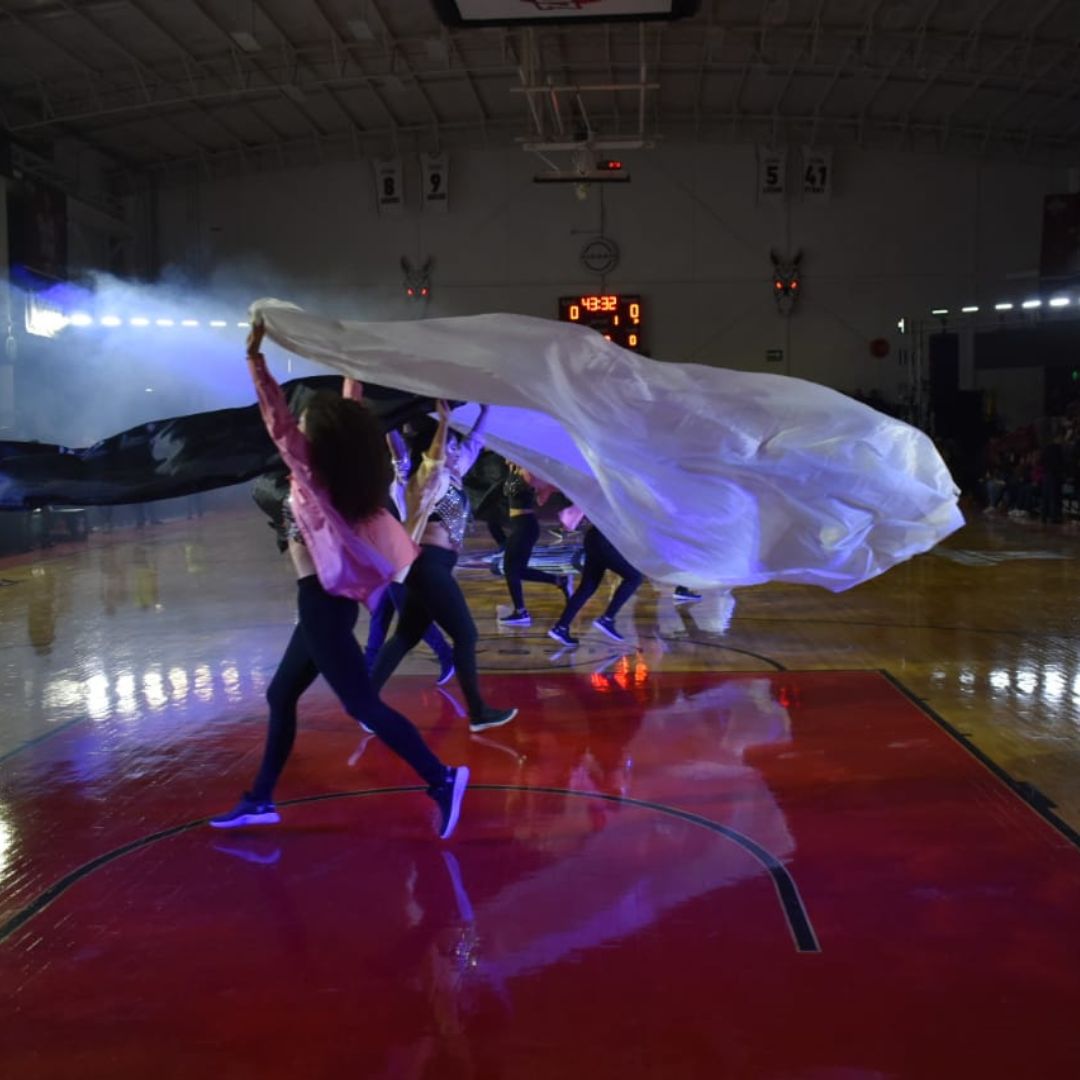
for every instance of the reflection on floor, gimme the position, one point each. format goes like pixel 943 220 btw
pixel 680 861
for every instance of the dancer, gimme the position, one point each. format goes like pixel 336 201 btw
pixel 437 515
pixel 394 597
pixel 600 556
pixel 524 495
pixel 344 547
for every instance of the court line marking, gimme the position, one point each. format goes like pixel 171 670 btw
pixel 790 899
pixel 1026 792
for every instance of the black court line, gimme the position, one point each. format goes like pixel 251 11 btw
pixel 41 738
pixel 787 891
pixel 1026 792
pixel 774 664
pixel 995 631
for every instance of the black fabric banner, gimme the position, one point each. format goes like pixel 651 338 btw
pixel 165 459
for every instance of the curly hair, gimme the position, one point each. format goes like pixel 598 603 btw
pixel 348 454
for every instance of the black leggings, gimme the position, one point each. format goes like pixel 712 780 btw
pixel 393 600
pixel 323 644
pixel 433 594
pixel 524 532
pixel 601 556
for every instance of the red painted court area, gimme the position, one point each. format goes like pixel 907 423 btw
pixel 662 875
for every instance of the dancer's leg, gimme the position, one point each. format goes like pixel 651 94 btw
pixel 414 618
pixel 519 544
pixel 295 673
pixel 379 625
pixel 445 602
pixel 524 532
pixel 327 623
pixel 631 578
pixel 591 575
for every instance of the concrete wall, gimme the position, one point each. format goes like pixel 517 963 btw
pixel 902 233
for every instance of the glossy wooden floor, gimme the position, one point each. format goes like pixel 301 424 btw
pixel 574 926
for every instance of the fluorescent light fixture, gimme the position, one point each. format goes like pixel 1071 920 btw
pixel 970 309
pixel 139 320
pixel 111 320
pixel 939 311
pixel 1027 305
pixel 245 40
pixel 243 325
pixel 361 29
pixel 149 389
pixel 164 322
pixel 80 318
pixel 218 322
pixel 44 321
pixel 189 322
pixel 1060 301
pixel 1003 307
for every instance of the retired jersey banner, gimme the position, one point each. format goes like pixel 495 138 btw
pixel 389 187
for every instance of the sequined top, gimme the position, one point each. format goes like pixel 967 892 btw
pixel 520 493
pixel 452 511
pixel 288 521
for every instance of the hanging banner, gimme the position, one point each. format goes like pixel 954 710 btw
pixel 817 174
pixel 772 174
pixel 389 189
pixel 435 182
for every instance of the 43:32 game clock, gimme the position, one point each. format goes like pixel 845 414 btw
pixel 617 316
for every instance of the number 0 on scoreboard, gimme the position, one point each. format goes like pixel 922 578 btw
pixel 618 317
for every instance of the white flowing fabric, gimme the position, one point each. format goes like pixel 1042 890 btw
pixel 700 476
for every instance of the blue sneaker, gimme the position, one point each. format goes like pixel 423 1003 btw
pixel 606 625
pixel 562 635
pixel 517 617
pixel 247 812
pixel 446 671
pixel 448 796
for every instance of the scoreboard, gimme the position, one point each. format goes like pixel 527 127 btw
pixel 617 316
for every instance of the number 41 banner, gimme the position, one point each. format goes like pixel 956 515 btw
pixel 435 182
pixel 817 174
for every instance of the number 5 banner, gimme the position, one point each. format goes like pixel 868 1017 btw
pixel 817 174
pixel 435 182
pixel 389 193
pixel 772 174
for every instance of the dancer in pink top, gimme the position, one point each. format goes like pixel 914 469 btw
pixel 346 549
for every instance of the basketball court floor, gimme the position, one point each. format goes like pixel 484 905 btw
pixel 836 839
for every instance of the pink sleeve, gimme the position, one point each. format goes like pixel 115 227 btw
pixel 352 389
pixel 571 517
pixel 280 423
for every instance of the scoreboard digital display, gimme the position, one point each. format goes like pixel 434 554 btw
pixel 618 317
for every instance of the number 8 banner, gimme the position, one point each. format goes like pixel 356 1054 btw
pixel 389 192
pixel 435 182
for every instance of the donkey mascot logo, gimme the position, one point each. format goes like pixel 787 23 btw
pixel 786 285
pixel 417 281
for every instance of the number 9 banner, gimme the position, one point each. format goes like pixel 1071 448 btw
pixel 435 182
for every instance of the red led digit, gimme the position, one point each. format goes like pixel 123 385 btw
pixel 632 341
pixel 575 312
